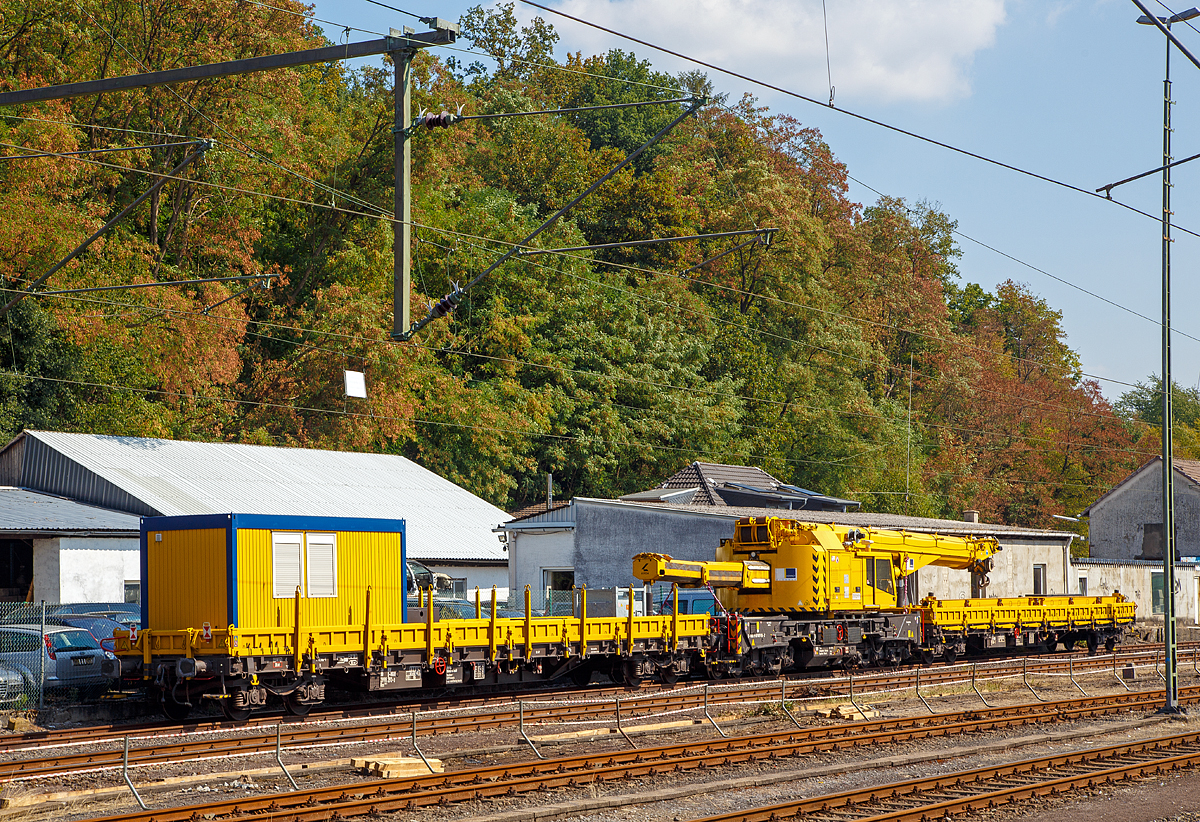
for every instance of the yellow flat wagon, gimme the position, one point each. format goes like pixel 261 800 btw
pixel 241 607
pixel 1024 621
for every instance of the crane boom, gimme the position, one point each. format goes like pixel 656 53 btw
pixel 749 576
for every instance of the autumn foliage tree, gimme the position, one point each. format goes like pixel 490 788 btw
pixel 841 352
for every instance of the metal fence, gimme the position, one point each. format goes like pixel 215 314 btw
pixel 50 653
pixel 22 655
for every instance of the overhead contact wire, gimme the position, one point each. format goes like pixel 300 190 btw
pixel 880 123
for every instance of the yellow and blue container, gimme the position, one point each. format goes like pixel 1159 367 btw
pixel 257 571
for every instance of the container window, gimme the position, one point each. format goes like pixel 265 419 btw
pixel 285 565
pixel 322 565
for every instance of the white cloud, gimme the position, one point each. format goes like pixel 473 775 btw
pixel 879 50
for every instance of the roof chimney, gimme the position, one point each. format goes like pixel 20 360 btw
pixel 970 515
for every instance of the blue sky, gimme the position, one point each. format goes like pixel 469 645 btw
pixel 1071 90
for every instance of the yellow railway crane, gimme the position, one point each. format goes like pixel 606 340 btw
pixel 779 566
pixel 834 594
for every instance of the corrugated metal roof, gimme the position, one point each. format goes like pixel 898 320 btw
pixel 25 512
pixel 679 496
pixel 869 520
pixel 168 477
pixel 564 512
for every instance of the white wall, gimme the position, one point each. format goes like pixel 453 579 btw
pixel 45 570
pixel 84 569
pixel 1011 574
pixel 1133 579
pixel 529 553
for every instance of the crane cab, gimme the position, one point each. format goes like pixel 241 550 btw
pixel 814 567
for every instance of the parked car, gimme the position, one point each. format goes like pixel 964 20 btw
pixel 126 613
pixel 691 601
pixel 12 687
pixel 72 656
pixel 123 618
pixel 101 628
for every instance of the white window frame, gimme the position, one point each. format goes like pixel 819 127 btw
pixel 279 541
pixel 315 589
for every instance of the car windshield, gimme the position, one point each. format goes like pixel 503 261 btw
pixel 72 641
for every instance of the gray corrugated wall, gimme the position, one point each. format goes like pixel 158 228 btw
pixel 42 468
pixel 10 462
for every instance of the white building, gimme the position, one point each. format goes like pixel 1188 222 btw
pixel 447 527
pixel 57 550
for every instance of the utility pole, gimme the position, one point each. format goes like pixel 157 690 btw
pixel 402 44
pixel 402 224
pixel 1170 669
pixel 1170 646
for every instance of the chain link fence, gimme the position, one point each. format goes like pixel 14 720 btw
pixel 22 657
pixel 53 653
pixel 549 602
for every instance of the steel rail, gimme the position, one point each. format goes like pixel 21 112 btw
pixel 590 705
pixel 369 798
pixel 940 796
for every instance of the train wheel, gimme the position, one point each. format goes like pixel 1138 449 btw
pixel 1093 642
pixel 950 656
pixel 926 657
pixel 581 676
pixel 630 674
pixel 293 705
pixel 234 714
pixel 1110 644
pixel 667 674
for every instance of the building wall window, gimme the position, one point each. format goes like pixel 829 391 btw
pixel 1156 593
pixel 458 588
pixel 558 580
pixel 321 551
pixel 1039 580
pixel 1083 586
pixel 286 561
pixel 133 592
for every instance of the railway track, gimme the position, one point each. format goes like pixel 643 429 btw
pixel 388 795
pixel 171 744
pixel 871 681
pixel 934 798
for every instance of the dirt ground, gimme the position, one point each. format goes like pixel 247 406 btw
pixel 1168 799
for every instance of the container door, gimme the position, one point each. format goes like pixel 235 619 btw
pixel 885 587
